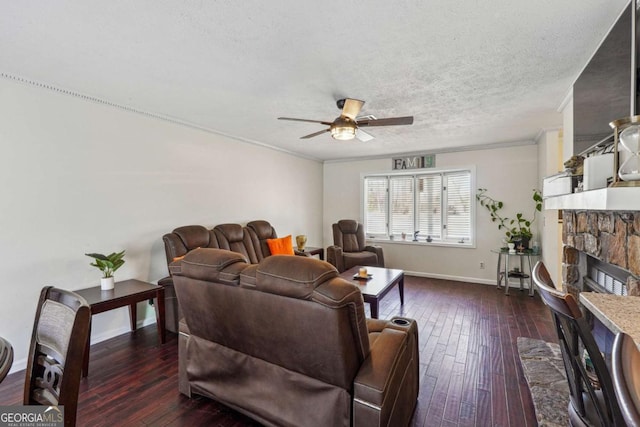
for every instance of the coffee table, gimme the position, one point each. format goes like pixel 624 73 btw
pixel 380 283
pixel 126 293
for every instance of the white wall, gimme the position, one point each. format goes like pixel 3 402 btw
pixel 550 147
pixel 510 174
pixel 84 177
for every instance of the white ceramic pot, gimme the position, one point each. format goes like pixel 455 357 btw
pixel 107 283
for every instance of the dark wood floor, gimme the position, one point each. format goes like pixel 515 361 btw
pixel 470 371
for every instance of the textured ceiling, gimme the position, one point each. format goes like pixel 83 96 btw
pixel 472 73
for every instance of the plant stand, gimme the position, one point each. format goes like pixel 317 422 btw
pixel 503 272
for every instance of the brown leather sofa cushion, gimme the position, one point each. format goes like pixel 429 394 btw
pixel 213 265
pixel 235 237
pixel 295 277
pixel 186 238
pixel 349 235
pixel 260 231
pixel 195 236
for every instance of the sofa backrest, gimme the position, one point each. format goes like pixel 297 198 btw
pixel 184 239
pixel 259 232
pixel 294 312
pixel 234 237
pixel 349 235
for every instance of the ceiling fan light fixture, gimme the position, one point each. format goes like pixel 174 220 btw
pixel 343 129
pixel 343 133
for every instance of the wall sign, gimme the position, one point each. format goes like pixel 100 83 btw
pixel 414 162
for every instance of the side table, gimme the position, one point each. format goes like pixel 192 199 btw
pixel 311 250
pixel 518 272
pixel 127 292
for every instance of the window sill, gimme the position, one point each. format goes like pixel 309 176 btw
pixel 465 245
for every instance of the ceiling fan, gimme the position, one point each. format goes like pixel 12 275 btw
pixel 347 125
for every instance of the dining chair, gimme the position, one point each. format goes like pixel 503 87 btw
pixel 593 401
pixel 625 368
pixel 6 358
pixel 54 365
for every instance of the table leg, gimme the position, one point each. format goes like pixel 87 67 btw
pixel 373 305
pixel 498 275
pixel 162 332
pixel 522 272
pixel 531 290
pixel 506 274
pixel 401 289
pixel 85 360
pixel 133 315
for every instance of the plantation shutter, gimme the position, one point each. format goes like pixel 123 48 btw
pixel 430 206
pixel 375 206
pixel 459 205
pixel 402 219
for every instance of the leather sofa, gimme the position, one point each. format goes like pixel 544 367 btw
pixel 286 342
pixel 250 241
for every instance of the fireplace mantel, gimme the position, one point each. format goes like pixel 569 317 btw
pixel 603 199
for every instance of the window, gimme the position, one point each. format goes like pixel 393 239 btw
pixel 439 205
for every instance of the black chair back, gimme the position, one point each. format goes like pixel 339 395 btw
pixel 54 366
pixel 593 401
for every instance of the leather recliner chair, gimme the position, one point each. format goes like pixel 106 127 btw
pixel 286 342
pixel 177 244
pixel 349 248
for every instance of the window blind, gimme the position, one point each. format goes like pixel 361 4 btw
pixel 402 219
pixel 459 205
pixel 375 206
pixel 430 206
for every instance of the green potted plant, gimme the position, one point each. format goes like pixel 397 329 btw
pixel 108 264
pixel 517 229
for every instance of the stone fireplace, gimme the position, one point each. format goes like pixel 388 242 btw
pixel 601 251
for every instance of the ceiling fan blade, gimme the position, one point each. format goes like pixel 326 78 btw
pixel 352 108
pixel 363 136
pixel 304 120
pixel 392 121
pixel 311 135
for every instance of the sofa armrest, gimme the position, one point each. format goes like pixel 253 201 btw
pixel 386 386
pixel 378 251
pixel 334 257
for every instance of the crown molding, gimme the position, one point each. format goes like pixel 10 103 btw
pixel 174 120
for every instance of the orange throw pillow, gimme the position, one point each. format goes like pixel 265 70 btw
pixel 281 246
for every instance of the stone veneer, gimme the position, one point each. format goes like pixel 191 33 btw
pixel 610 236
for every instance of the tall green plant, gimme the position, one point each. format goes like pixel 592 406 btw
pixel 108 264
pixel 518 227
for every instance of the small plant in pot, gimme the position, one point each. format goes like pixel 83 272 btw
pixel 108 264
pixel 518 229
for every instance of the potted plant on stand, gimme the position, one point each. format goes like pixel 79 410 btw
pixel 108 264
pixel 518 229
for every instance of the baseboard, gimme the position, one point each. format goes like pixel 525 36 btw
pixel 491 282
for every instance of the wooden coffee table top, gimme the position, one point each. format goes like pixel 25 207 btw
pixel 381 279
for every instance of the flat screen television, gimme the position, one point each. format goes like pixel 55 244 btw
pixel 606 89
